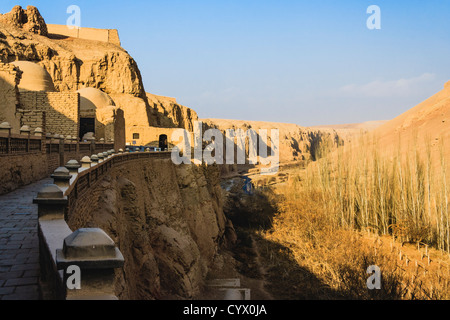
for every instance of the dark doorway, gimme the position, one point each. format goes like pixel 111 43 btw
pixel 163 142
pixel 86 125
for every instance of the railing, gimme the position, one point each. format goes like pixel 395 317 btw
pixel 82 147
pixel 88 178
pixel 55 203
pixel 19 144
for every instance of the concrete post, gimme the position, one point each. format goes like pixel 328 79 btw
pixel 92 146
pixel 96 255
pixel 69 141
pixel 86 162
pixel 38 132
pixel 25 130
pixel 100 157
pixel 5 127
pixel 61 150
pixel 94 159
pixel 61 178
pixel 73 166
pixel 51 202
pixel 55 138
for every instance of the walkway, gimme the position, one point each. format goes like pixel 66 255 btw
pixel 19 244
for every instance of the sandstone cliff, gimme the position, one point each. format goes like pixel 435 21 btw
pixel 29 20
pixel 167 113
pixel 168 222
pixel 296 143
pixel 77 63
pixel 71 62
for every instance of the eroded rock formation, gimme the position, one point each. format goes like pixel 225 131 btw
pixel 29 20
pixel 167 113
pixel 168 222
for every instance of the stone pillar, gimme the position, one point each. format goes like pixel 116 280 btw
pixel 72 166
pixel 26 131
pixel 100 157
pixel 48 140
pixel 86 162
pixel 96 255
pixel 61 149
pixel 38 132
pixel 61 178
pixel 5 127
pixel 94 159
pixel 51 202
pixel 55 138
pixel 102 142
pixel 92 146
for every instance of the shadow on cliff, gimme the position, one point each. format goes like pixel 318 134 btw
pixel 271 262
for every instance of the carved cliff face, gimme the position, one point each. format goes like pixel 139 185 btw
pixel 72 63
pixel 167 220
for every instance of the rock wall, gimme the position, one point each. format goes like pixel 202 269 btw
pixel 29 20
pixel 166 112
pixel 167 220
pixel 9 95
pixel 73 63
pixel 20 170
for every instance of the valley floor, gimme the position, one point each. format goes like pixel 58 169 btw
pixel 287 251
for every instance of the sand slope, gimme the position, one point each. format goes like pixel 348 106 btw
pixel 426 123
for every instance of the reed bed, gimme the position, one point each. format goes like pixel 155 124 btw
pixel 405 195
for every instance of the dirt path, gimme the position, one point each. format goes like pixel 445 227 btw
pixel 261 283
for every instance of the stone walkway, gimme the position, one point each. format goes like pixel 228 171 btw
pixel 19 244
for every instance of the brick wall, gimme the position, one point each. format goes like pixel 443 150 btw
pixel 105 35
pixel 62 110
pixel 33 119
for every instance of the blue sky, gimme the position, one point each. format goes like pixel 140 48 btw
pixel 304 62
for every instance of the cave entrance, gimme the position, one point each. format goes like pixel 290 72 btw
pixel 163 145
pixel 86 125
